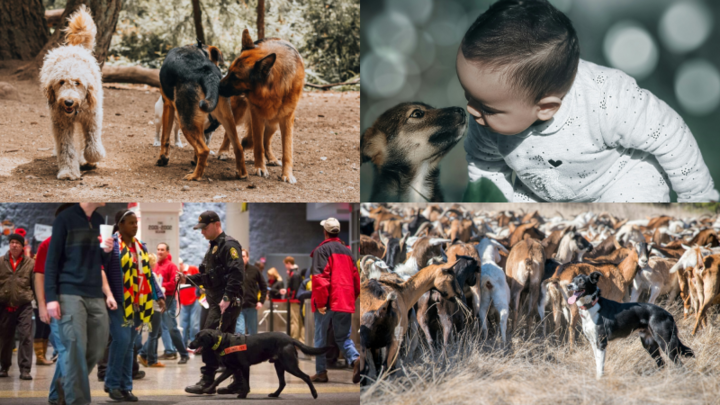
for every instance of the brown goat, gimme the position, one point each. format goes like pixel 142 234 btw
pixel 524 270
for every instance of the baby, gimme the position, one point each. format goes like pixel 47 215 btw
pixel 551 127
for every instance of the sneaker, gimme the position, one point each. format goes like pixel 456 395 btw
pixel 158 364
pixel 139 375
pixel 25 375
pixel 116 394
pixel 3 373
pixel 168 356
pixel 184 360
pixel 142 360
pixel 320 377
pixel 128 395
pixel 200 386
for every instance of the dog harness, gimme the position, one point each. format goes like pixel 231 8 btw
pixel 231 349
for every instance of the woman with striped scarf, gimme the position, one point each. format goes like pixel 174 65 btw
pixel 134 288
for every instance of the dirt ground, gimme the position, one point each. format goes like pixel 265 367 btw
pixel 326 153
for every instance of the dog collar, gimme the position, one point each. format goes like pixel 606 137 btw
pixel 233 349
pixel 218 343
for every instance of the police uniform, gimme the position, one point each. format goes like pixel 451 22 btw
pixel 221 274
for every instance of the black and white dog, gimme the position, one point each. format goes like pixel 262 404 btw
pixel 406 144
pixel 604 320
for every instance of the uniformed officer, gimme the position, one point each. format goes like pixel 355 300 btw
pixel 221 273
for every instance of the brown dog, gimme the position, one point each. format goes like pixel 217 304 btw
pixel 189 80
pixel 270 75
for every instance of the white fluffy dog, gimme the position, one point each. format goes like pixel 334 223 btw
pixel 72 83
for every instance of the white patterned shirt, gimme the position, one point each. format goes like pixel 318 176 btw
pixel 610 141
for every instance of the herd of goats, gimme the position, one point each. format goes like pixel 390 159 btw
pixel 434 269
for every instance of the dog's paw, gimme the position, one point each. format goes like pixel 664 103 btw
pixel 179 144
pixel 261 171
pixel 162 161
pixel 212 152
pixel 288 178
pixel 240 175
pixel 191 177
pixel 88 166
pixel 67 174
pixel 274 395
pixel 156 143
pixel 224 156
pixel 242 395
pixel 274 162
pixel 94 153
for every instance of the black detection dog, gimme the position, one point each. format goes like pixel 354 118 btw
pixel 238 352
pixel 406 145
pixel 604 320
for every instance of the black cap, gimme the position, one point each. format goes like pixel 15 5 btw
pixel 207 217
pixel 17 237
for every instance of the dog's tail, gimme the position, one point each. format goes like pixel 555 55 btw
pixel 313 351
pixel 210 85
pixel 81 29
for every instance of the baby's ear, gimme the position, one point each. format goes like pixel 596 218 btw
pixel 548 107
pixel 372 146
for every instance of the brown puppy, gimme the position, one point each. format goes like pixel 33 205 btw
pixel 270 74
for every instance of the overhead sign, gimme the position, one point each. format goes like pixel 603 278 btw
pixel 42 232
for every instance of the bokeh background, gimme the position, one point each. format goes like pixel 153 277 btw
pixel 408 50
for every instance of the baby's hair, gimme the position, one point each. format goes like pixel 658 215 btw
pixel 533 38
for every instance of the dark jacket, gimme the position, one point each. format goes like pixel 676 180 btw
pixel 294 283
pixel 16 287
pixel 275 288
pixel 335 281
pixel 75 258
pixel 254 283
pixel 222 270
pixel 114 274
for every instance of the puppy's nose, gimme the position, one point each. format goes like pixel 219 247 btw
pixel 69 103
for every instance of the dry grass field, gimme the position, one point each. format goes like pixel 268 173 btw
pixel 538 371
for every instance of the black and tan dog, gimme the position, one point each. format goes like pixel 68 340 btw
pixel 406 145
pixel 189 81
pixel 238 352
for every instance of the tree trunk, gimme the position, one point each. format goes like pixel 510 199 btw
pixel 22 29
pixel 131 74
pixel 197 16
pixel 105 14
pixel 261 19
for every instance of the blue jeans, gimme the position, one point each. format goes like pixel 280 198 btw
pixel 167 341
pixel 342 321
pixel 120 354
pixel 247 322
pixel 170 322
pixel 60 349
pixel 190 321
pixel 149 349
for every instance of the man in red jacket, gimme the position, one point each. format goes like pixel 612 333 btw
pixel 335 287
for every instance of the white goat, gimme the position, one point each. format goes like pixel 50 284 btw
pixel 491 287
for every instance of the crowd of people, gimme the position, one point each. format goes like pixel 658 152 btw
pixel 85 289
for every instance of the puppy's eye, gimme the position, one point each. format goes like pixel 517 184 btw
pixel 417 114
pixel 62 82
pixel 77 83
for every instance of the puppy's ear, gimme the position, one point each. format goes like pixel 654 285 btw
pixel 372 146
pixel 595 277
pixel 50 94
pixel 247 42
pixel 90 97
pixel 261 70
